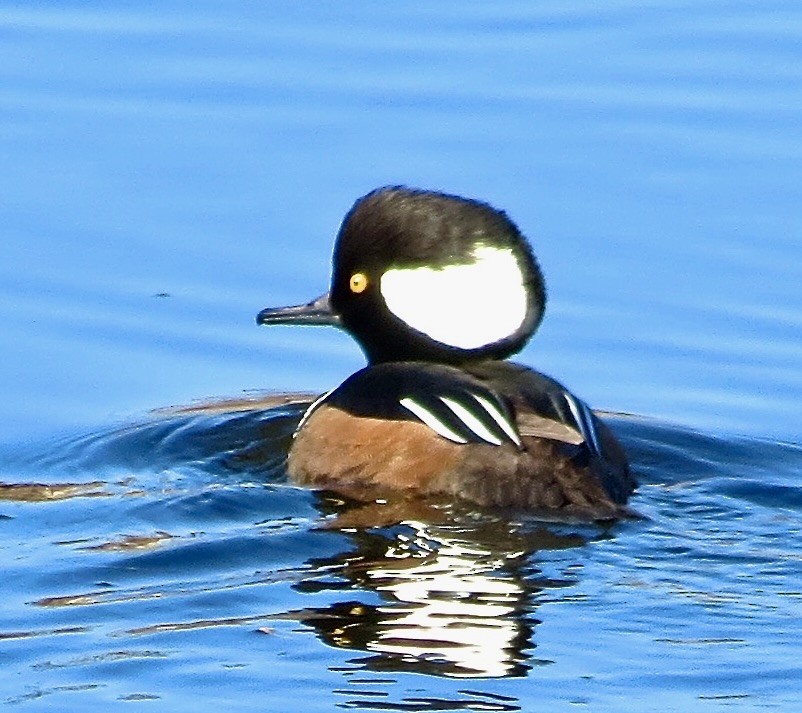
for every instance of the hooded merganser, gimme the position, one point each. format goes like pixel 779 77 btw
pixel 438 290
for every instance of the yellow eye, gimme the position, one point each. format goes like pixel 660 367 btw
pixel 358 282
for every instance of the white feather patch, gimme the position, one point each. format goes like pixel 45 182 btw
pixel 431 420
pixel 473 423
pixel 499 418
pixel 584 419
pixel 466 306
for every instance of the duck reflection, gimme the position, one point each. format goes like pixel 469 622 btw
pixel 422 586
pixel 454 594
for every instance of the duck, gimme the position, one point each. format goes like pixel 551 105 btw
pixel 439 291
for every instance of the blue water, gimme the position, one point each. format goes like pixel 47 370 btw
pixel 167 172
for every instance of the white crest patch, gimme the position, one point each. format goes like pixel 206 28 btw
pixel 466 306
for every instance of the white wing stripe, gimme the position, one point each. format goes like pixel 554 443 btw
pixel 319 400
pixel 471 421
pixel 431 420
pixel 502 421
pixel 584 419
pixel 594 435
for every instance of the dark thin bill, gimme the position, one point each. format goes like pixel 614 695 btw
pixel 316 312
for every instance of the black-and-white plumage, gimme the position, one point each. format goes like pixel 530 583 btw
pixel 467 405
pixel 439 290
pixel 453 404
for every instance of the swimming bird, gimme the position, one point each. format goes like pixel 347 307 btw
pixel 439 290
